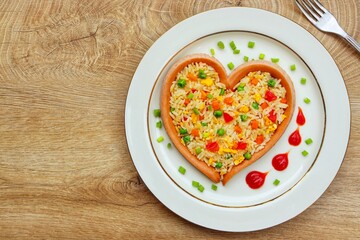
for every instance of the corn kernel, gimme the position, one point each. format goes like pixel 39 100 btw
pixel 210 161
pixel 244 109
pixel 201 106
pixel 257 97
pixel 194 118
pixel 239 160
pixel 220 98
pixel 283 116
pixel 207 82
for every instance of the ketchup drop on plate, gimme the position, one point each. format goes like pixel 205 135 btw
pixel 280 161
pixel 255 179
pixel 295 138
pixel 300 119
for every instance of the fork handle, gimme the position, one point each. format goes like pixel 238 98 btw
pixel 352 42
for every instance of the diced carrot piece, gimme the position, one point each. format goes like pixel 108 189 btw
pixel 203 95
pixel 192 77
pixel 237 129
pixel 254 81
pixel 228 100
pixel 259 139
pixel 201 117
pixel 264 105
pixel 254 124
pixel 215 104
pixel 187 101
pixel 195 132
pixel 283 100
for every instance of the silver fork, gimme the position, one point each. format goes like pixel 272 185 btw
pixel 321 18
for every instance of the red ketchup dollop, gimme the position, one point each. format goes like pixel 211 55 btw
pixel 300 119
pixel 295 138
pixel 255 179
pixel 280 161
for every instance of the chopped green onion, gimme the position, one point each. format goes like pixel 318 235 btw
pixel 232 45
pixel 201 74
pixel 198 151
pixel 307 100
pixel 159 124
pixel 308 141
pixel 218 164
pixel 196 111
pixel 209 107
pixel 275 60
pixel 247 155
pixel 261 56
pixel 186 139
pixel 293 67
pixel 220 132
pixel 276 182
pixel 210 96
pixel 241 88
pixel 251 44
pixel 183 131
pixel 168 145
pixel 204 124
pixel 182 170
pixel 243 117
pixel 195 184
pixel 214 187
pixel 255 105
pixel 236 51
pixel 303 81
pixel 230 65
pixel 172 109
pixel 218 113
pixel 201 188
pixel 157 112
pixel 228 156
pixel 181 83
pixel 212 51
pixel 271 83
pixel 246 58
pixel 190 96
pixel 222 92
pixel 206 135
pixel 221 45
pixel 160 139
pixel 304 153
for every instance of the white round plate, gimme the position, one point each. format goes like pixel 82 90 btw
pixel 235 207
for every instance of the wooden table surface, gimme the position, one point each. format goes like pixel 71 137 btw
pixel 65 169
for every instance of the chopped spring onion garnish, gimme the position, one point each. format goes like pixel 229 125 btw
pixel 271 83
pixel 212 51
pixel 186 139
pixel 159 124
pixel 195 184
pixel 172 109
pixel 218 164
pixel 255 105
pixel 204 124
pixel 275 60
pixel 243 117
pixel 230 65
pixel 190 96
pixel 168 145
pixel 221 45
pixel 196 111
pixel 304 153
pixel 303 81
pixel 198 151
pixel 246 58
pixel 262 56
pixel 182 170
pixel 222 92
pixel 236 51
pixel 201 74
pixel 220 132
pixel 214 187
pixel 293 67
pixel 209 96
pixel 276 182
pixel 308 141
pixel 307 100
pixel 251 44
pixel 183 131
pixel 232 45
pixel 157 112
pixel 160 139
pixel 201 188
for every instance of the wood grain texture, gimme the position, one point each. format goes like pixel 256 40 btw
pixel 65 170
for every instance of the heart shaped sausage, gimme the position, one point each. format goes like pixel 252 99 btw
pixel 223 124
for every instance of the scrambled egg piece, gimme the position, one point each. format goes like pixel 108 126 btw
pixel 226 150
pixel 244 109
pixel 257 97
pixel 239 160
pixel 207 82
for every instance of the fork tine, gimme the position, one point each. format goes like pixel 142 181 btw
pixel 307 15
pixel 310 10
pixel 320 6
pixel 319 12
